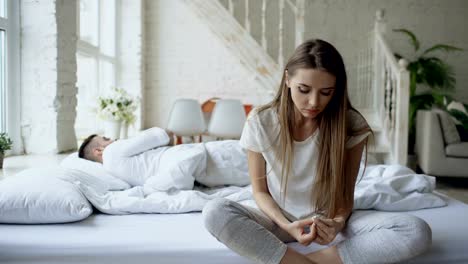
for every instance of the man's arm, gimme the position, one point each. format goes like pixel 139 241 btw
pixel 145 140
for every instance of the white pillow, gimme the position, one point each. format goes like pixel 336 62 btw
pixel 94 170
pixel 38 196
pixel 449 129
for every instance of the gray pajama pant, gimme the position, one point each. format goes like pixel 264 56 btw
pixel 371 237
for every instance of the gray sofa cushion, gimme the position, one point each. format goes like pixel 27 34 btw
pixel 449 129
pixel 457 150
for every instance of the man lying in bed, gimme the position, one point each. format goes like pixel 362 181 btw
pixel 147 159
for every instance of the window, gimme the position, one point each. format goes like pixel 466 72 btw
pixel 96 60
pixel 3 92
pixel 3 65
pixel 3 8
pixel 9 63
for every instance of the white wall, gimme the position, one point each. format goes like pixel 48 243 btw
pixel 433 21
pixel 181 57
pixel 48 75
pixel 185 59
pixel 130 71
pixel 48 70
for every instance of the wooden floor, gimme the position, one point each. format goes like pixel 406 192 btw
pixel 454 187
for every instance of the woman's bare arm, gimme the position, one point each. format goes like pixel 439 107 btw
pixel 327 229
pixel 352 163
pixel 262 196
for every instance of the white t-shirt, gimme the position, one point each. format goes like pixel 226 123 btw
pixel 261 134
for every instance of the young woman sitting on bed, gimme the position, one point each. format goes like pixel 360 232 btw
pixel 304 150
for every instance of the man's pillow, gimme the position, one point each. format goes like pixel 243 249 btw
pixel 94 171
pixel 39 196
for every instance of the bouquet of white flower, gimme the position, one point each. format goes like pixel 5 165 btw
pixel 119 106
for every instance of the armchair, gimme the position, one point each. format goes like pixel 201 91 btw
pixel 437 155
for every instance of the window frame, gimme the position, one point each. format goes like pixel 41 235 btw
pixel 12 96
pixel 88 49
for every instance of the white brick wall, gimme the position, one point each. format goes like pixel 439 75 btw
pixel 130 54
pixel 185 60
pixel 181 57
pixel 48 75
pixel 344 23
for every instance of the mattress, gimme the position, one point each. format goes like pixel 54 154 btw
pixel 182 238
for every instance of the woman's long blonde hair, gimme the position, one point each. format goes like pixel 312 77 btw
pixel 332 190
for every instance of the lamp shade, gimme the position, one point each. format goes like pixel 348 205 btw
pixel 227 119
pixel 186 118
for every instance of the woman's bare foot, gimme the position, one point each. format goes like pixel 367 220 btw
pixel 294 257
pixel 328 255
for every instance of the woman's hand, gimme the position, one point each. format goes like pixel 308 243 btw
pixel 304 231
pixel 327 229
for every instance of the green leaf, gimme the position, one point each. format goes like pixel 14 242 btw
pixel 460 116
pixel 466 107
pixel 5 142
pixel 442 47
pixel 412 84
pixel 438 99
pixel 414 40
pixel 435 73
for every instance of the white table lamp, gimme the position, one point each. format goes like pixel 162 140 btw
pixel 227 119
pixel 186 118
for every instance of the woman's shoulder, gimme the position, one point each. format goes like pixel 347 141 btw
pixel 261 130
pixel 355 121
pixel 263 116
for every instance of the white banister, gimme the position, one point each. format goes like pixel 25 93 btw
pixel 393 78
pixel 242 45
pixel 381 89
pixel 402 110
pixel 298 9
pixel 299 12
pixel 291 5
pixel 231 7
pixel 388 54
pixel 280 32
pixel 264 40
pixel 247 21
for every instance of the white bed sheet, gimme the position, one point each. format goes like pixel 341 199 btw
pixel 181 238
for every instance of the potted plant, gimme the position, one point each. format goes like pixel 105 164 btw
pixel 5 144
pixel 117 110
pixel 427 70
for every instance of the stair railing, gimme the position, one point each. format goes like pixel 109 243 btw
pixel 391 93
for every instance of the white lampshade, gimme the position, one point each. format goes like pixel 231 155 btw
pixel 186 118
pixel 227 119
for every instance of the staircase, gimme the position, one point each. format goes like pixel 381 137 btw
pixel 383 80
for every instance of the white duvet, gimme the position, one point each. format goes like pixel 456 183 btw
pixel 382 187
pixel 395 188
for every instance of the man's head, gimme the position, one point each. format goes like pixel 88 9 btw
pixel 93 147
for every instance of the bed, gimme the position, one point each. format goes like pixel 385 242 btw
pixel 182 238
